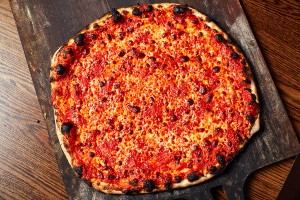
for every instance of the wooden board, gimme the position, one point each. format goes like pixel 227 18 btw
pixel 45 25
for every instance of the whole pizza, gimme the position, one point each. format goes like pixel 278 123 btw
pixel 150 98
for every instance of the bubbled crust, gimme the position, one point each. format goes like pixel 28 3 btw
pixel 205 174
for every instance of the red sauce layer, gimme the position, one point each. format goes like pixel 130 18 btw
pixel 153 97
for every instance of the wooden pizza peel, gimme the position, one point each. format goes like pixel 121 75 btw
pixel 45 25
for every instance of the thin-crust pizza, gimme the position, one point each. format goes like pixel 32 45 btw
pixel 150 98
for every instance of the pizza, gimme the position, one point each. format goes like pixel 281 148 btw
pixel 150 98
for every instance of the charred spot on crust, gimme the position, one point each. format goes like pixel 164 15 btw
pixel 149 8
pixel 208 19
pixel 219 38
pixel 178 179
pixel 214 170
pixel 79 39
pixel 66 127
pixel 192 177
pixel 253 97
pixel 168 184
pixel 60 69
pixel 234 55
pixel 149 185
pixel 78 170
pixel 95 25
pixel 221 159
pixel 247 81
pixel 68 51
pixel 250 118
pixel 116 15
pixel 179 9
pixel 244 62
pixel 136 12
pixel 134 182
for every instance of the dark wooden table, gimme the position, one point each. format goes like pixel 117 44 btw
pixel 28 169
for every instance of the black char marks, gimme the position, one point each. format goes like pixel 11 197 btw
pixel 214 170
pixel 220 159
pixel 149 8
pixel 136 12
pixel 149 185
pixel 234 55
pixel 178 179
pixel 66 127
pixel 79 39
pixel 192 177
pixel 168 184
pixel 60 69
pixel 219 38
pixel 116 15
pixel 179 9
pixel 250 118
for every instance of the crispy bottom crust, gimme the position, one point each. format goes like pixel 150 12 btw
pixel 184 183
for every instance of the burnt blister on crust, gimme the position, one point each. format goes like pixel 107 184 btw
pixel 136 11
pixel 221 159
pixel 179 9
pixel 178 179
pixel 168 184
pixel 234 55
pixel 219 38
pixel 66 127
pixel 79 39
pixel 250 118
pixel 149 8
pixel 214 170
pixel 192 176
pixel 149 185
pixel 60 69
pixel 116 15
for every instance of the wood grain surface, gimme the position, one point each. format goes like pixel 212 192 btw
pixel 28 169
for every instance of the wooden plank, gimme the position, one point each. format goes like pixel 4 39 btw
pixel 45 26
pixel 25 153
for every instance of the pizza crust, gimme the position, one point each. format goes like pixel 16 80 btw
pixel 184 183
